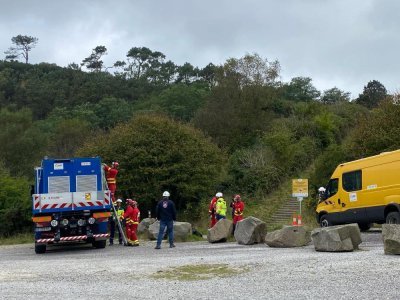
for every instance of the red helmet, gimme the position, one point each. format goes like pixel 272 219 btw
pixel 115 164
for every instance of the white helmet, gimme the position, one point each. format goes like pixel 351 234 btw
pixel 166 194
pixel 119 200
pixel 219 195
pixel 321 189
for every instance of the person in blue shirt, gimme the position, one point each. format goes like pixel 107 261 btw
pixel 166 214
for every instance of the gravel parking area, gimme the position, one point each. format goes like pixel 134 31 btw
pixel 119 272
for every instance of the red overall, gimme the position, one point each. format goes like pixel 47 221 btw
pixel 238 211
pixel 132 217
pixel 211 211
pixel 111 176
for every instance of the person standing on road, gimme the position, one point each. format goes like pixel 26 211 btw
pixel 220 207
pixel 238 209
pixel 113 221
pixel 166 214
pixel 211 210
pixel 135 219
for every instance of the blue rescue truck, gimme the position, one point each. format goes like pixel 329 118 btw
pixel 70 202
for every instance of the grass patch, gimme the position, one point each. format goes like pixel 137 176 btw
pixel 21 238
pixel 198 272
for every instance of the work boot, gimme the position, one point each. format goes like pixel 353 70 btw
pixel 120 242
pixel 157 247
pixel 111 243
pixel 172 246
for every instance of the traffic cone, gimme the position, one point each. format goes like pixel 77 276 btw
pixel 299 221
pixel 294 221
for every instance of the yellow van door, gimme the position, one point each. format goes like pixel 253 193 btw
pixel 329 204
pixel 351 200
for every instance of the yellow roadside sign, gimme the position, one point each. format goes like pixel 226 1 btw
pixel 300 188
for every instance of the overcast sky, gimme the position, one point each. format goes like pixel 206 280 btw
pixel 342 43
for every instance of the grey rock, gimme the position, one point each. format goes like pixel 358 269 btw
pixel 391 238
pixel 182 230
pixel 250 231
pixel 220 232
pixel 338 238
pixel 143 227
pixel 288 236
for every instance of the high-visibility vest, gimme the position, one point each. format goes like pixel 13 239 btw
pixel 221 207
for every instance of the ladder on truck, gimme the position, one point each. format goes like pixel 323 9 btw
pixel 121 229
pixel 115 214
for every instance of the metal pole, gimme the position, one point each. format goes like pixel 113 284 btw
pixel 121 230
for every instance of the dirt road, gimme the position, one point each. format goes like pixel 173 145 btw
pixel 254 272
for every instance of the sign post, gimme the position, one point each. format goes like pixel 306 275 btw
pixel 300 190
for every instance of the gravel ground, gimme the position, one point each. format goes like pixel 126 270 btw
pixel 126 272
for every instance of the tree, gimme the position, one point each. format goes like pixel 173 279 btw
pixel 378 132
pixel 186 73
pixel 156 154
pixel 301 89
pixel 179 101
pixel 208 74
pixel 141 59
pixel 15 204
pixel 22 144
pixel 68 136
pixel 251 69
pixel 335 95
pixel 94 62
pixel 23 45
pixel 373 93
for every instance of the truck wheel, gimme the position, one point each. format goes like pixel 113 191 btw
pixel 393 218
pixel 99 244
pixel 40 249
pixel 364 226
pixel 324 222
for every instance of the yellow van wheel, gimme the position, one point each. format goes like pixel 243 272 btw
pixel 364 226
pixel 324 222
pixel 393 218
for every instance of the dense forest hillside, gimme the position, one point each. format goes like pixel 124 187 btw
pixel 235 128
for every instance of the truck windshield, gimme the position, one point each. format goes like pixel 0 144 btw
pixel 332 187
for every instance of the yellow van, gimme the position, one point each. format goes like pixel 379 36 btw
pixel 363 191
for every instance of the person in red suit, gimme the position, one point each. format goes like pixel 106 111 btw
pixel 135 219
pixel 132 219
pixel 211 209
pixel 111 176
pixel 238 209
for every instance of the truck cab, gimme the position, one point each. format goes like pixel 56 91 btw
pixel 70 202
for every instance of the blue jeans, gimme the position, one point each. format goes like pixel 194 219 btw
pixel 170 230
pixel 219 217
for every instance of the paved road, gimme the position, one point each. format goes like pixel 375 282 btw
pixel 126 273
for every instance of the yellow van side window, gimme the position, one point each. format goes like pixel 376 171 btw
pixel 352 181
pixel 332 187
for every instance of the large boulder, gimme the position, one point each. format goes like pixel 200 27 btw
pixel 143 227
pixel 391 238
pixel 338 238
pixel 250 231
pixel 182 230
pixel 220 232
pixel 288 236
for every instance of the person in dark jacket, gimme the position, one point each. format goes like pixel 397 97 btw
pixel 166 214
